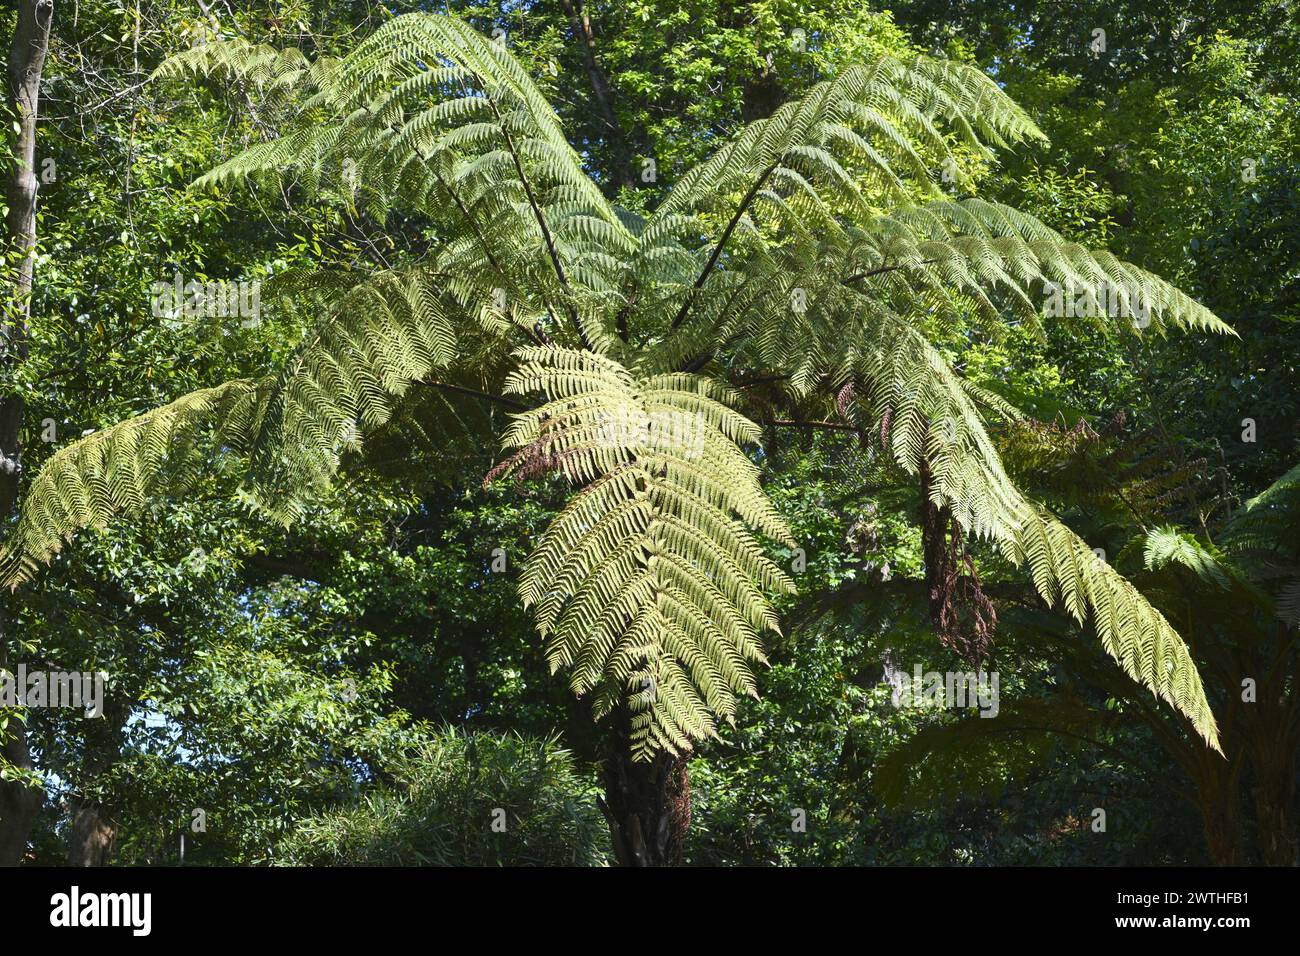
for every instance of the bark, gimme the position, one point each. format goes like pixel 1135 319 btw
pixel 602 91
pixel 92 828
pixel 647 804
pixel 18 803
pixel 1217 795
pixel 31 40
pixel 91 835
pixel 1277 836
pixel 26 62
pixel 1274 746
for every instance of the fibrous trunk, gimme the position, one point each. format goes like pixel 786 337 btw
pixel 647 803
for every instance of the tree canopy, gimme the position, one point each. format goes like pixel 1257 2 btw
pixel 613 416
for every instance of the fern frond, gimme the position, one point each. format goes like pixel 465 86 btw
pixel 932 420
pixel 1270 522
pixel 431 117
pixel 275 76
pixel 1001 256
pixel 374 336
pixel 649 583
pixel 372 339
pixel 116 472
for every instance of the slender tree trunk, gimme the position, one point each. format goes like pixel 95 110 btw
pixel 647 804
pixel 18 803
pixel 604 93
pixel 92 828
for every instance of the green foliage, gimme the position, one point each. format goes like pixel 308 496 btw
pixel 404 262
pixel 471 143
pixel 441 804
pixel 645 584
pixel 970 756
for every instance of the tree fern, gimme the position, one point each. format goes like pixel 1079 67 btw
pixel 797 252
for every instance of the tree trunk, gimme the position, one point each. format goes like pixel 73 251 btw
pixel 647 804
pixel 1277 836
pixel 1274 765
pixel 91 834
pixel 26 62
pixel 19 803
pixel 603 92
pixel 92 828
pixel 1219 823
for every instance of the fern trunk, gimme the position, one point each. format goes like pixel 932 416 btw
pixel 1274 783
pixel 1220 824
pixel 647 803
pixel 1277 838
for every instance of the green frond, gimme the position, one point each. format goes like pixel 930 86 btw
pixel 269 73
pixel 930 418
pixel 117 472
pixel 944 761
pixel 1264 537
pixel 428 116
pixel 1067 572
pixel 375 335
pixel 871 135
pixel 1269 522
pixel 649 584
pixel 1001 256
pixel 1164 546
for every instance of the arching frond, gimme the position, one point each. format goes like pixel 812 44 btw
pixel 1270 521
pixel 116 472
pixel 429 116
pixel 873 135
pixel 998 256
pixel 276 77
pixel 372 339
pixel 927 418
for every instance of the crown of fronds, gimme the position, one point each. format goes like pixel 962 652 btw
pixel 798 251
